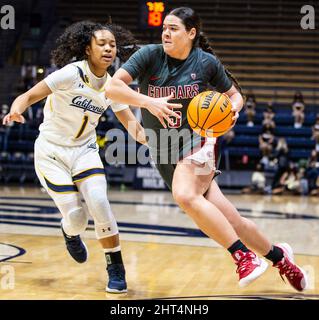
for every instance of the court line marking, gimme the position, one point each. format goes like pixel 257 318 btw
pixel 280 215
pixel 21 252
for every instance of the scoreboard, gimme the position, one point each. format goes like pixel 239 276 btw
pixel 151 14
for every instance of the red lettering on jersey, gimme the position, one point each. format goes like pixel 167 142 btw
pixel 195 90
pixel 172 90
pixel 157 91
pixel 165 92
pixel 180 92
pixel 188 90
pixel 150 90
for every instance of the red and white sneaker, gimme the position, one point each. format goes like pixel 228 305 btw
pixel 249 266
pixel 294 274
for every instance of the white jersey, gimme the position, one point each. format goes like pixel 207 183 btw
pixel 73 110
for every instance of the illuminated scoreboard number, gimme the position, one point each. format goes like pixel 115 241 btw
pixel 151 14
pixel 155 13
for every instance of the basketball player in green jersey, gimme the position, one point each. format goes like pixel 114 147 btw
pixel 183 66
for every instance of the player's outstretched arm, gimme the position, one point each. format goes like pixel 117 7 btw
pixel 134 128
pixel 119 91
pixel 25 100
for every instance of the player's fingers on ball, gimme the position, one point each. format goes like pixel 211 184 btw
pixel 235 117
pixel 234 109
pixel 174 105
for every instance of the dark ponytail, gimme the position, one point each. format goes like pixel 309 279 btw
pixel 192 20
pixel 204 44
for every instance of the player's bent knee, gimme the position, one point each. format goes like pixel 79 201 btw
pixel 77 220
pixel 99 207
pixel 183 199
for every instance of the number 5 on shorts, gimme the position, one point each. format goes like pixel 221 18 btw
pixel 177 122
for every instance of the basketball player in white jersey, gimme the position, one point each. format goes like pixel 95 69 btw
pixel 67 161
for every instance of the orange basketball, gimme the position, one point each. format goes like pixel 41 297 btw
pixel 209 114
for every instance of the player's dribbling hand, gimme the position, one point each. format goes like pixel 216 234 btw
pixel 13 116
pixel 162 109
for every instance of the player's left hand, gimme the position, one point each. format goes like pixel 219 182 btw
pixel 13 116
pixel 235 109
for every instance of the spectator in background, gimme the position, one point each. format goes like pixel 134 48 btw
pixel 229 136
pixel 4 131
pixel 250 109
pixel 282 161
pixel 289 181
pixel 312 171
pixel 269 113
pixel 315 192
pixel 266 142
pixel 17 88
pixel 37 115
pixel 315 132
pixel 268 124
pixel 50 69
pixel 28 75
pixel 258 181
pixel 298 109
pixel 303 181
pixel 3 111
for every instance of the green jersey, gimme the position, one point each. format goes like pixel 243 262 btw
pixel 160 75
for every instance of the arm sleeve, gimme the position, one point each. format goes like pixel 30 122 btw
pixel 62 79
pixel 219 78
pixel 138 63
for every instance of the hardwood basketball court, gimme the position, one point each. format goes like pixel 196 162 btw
pixel 165 255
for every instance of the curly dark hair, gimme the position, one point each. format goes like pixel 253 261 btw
pixel 72 43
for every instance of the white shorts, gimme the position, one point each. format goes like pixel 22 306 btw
pixel 58 167
pixel 205 155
